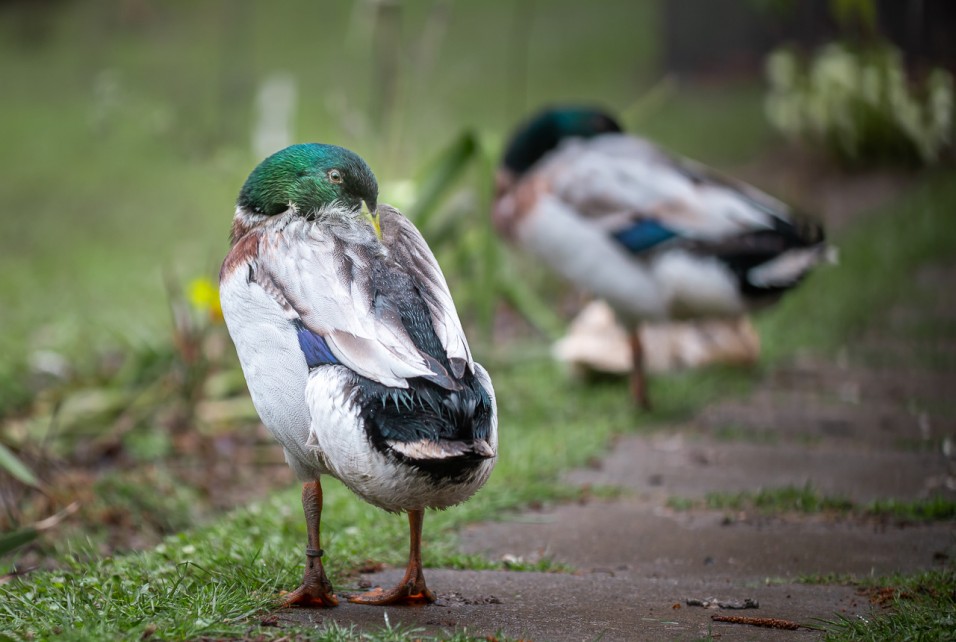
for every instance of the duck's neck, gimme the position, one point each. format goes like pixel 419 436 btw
pixel 243 222
pixel 351 228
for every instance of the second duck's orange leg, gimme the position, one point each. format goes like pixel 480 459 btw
pixel 638 376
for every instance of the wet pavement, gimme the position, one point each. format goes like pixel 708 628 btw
pixel 847 426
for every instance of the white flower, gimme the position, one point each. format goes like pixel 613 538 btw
pixel 781 67
pixel 853 100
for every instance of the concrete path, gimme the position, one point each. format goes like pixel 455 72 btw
pixel 843 426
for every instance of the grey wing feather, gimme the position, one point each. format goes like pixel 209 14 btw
pixel 326 284
pixel 409 250
pixel 616 179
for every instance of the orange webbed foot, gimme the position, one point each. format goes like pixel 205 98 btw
pixel 316 589
pixel 407 594
pixel 305 597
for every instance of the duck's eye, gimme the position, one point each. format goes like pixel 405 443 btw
pixel 335 176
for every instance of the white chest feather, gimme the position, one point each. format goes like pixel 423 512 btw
pixel 696 286
pixel 584 254
pixel 273 365
pixel 670 283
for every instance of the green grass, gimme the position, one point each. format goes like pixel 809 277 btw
pixel 770 501
pixel 778 500
pixel 878 261
pixel 917 607
pixel 908 607
pixel 807 500
pixel 207 581
pixel 212 582
pixel 923 510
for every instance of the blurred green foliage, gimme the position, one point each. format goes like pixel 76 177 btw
pixel 127 132
pixel 128 135
pixel 861 104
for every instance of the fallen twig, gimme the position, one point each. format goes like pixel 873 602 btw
pixel 53 520
pixel 768 622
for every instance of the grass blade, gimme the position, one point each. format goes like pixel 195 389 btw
pixel 440 175
pixel 16 539
pixel 12 465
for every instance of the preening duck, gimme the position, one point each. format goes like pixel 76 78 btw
pixel 656 236
pixel 353 351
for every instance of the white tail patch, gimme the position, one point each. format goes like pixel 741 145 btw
pixel 428 449
pixel 790 266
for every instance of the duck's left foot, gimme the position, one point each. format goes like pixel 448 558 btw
pixel 406 593
pixel 309 597
pixel 316 589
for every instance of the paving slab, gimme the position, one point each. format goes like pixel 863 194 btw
pixel 844 427
pixel 591 606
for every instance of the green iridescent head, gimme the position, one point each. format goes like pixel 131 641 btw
pixel 309 177
pixel 545 130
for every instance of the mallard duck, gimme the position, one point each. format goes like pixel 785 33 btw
pixel 656 236
pixel 353 351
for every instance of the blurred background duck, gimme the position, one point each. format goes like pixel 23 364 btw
pixel 353 351
pixel 656 236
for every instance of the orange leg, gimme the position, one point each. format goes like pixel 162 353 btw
pixel 638 376
pixel 316 590
pixel 412 589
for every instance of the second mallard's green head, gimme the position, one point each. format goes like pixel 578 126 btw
pixel 545 130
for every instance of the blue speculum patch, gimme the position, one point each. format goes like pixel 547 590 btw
pixel 313 346
pixel 643 235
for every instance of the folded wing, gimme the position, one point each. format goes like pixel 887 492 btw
pixel 644 197
pixel 410 251
pixel 327 289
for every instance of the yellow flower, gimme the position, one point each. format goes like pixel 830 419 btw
pixel 204 296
